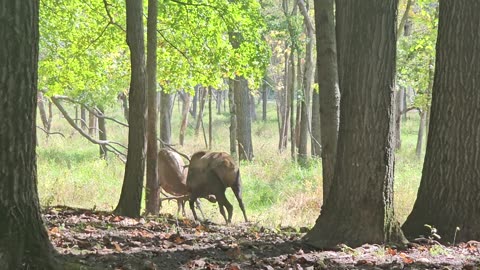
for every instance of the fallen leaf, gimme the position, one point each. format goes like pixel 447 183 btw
pixel 391 251
pixel 405 258
pixel 117 247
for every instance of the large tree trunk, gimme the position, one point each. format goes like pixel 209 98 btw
pixel 242 110
pixel 131 196
pixel 360 205
pixel 185 109
pixel 24 241
pixel 166 105
pixel 102 133
pixel 152 191
pixel 329 92
pixel 307 84
pixel 233 119
pixel 449 193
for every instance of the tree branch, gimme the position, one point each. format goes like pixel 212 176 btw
pixel 403 21
pixel 50 133
pixel 108 144
pixel 110 16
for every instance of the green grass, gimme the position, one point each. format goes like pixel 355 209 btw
pixel 276 191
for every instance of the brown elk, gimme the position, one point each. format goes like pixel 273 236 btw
pixel 172 174
pixel 210 173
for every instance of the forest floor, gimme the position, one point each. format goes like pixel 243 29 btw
pixel 99 240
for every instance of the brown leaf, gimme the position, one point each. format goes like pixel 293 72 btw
pixel 391 251
pixel 117 247
pixel 405 258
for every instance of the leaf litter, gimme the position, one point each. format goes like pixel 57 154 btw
pixel 101 240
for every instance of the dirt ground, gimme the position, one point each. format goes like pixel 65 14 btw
pixel 99 240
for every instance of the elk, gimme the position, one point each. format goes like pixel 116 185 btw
pixel 172 174
pixel 211 173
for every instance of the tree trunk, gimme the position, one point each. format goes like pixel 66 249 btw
pixel 329 92
pixel 283 106
pixel 449 193
pixel 124 100
pixel 233 119
pixel 166 104
pixel 421 133
pixel 41 109
pixel 91 124
pixel 152 191
pixel 316 132
pixel 242 110
pixel 83 117
pixel 102 133
pixel 210 135
pixel 24 241
pixel 185 109
pixel 131 196
pixel 360 205
pixel 264 98
pixel 291 103
pixel 253 112
pixel 307 84
pixel 202 93
pixel 195 101
pixel 218 99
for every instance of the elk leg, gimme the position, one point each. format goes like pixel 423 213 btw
pixel 222 201
pixel 193 198
pixel 200 208
pixel 237 190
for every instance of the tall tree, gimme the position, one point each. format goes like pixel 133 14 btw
pixel 152 196
pixel 329 94
pixel 166 106
pixel 307 83
pixel 24 241
pixel 449 190
pixel 360 205
pixel 102 132
pixel 131 196
pixel 233 119
pixel 242 109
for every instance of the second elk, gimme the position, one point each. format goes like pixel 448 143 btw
pixel 211 173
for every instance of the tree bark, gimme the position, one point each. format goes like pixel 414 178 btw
pixel 421 133
pixel 131 196
pixel 24 241
pixel 152 191
pixel 195 101
pixel 123 97
pixel 329 91
pixel 185 109
pixel 253 112
pixel 264 98
pixel 41 109
pixel 210 135
pixel 102 133
pixel 83 117
pixel 359 208
pixel 398 117
pixel 91 124
pixel 449 193
pixel 242 110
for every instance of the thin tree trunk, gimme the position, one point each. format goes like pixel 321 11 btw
pixel 24 240
pixel 359 208
pixel 183 125
pixel 102 133
pixel 91 124
pixel 202 93
pixel 166 102
pixel 195 101
pixel 41 109
pixel 284 107
pixel 131 196
pixel 210 135
pixel 124 100
pixel 449 193
pixel 242 110
pixel 83 117
pixel 316 132
pixel 307 84
pixel 253 112
pixel 291 104
pixel 329 91
pixel 398 117
pixel 233 120
pixel 152 191
pixel 421 133
pixel 264 98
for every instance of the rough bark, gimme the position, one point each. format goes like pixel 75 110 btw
pixel 360 205
pixel 152 191
pixel 233 120
pixel 185 109
pixel 102 133
pixel 166 102
pixel 24 241
pixel 449 193
pixel 131 196
pixel 329 91
pixel 242 110
pixel 307 84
